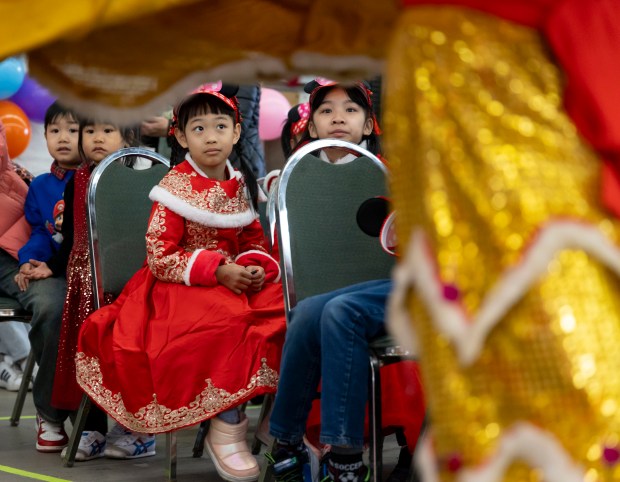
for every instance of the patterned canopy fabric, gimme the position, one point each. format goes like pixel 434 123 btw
pixel 136 57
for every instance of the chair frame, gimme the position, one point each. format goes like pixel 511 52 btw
pixel 290 297
pixel 93 241
pixel 378 355
pixel 18 313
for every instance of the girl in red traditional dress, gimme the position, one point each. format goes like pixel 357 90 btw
pixel 199 330
pixel 97 140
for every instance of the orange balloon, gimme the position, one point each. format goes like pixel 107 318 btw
pixel 17 126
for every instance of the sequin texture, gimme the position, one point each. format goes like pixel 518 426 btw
pixel 484 159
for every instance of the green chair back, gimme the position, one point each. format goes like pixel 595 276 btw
pixel 118 213
pixel 322 247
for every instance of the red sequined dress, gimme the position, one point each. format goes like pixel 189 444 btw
pixel 176 347
pixel 79 302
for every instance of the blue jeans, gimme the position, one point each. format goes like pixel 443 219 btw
pixel 327 341
pixel 45 299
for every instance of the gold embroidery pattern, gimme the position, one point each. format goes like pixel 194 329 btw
pixel 213 199
pixel 226 254
pixel 156 418
pixel 164 267
pixel 199 236
pixel 258 247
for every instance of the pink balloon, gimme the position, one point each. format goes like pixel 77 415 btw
pixel 272 114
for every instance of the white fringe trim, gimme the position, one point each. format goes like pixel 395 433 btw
pixel 425 459
pixel 256 66
pixel 206 218
pixel 524 442
pixel 256 251
pixel 469 336
pixel 339 67
pixel 537 448
pixel 397 318
pixel 190 265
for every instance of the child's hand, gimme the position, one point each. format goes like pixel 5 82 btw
pixel 258 277
pixel 236 278
pixel 40 270
pixel 21 281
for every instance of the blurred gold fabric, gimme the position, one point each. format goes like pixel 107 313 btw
pixel 144 63
pixel 29 24
pixel 483 157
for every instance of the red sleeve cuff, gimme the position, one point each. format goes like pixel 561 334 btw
pixel 258 258
pixel 201 268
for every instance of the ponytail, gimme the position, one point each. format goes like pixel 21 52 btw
pixel 248 176
pixel 177 155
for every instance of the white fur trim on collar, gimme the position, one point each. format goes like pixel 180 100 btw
pixel 206 218
pixel 232 173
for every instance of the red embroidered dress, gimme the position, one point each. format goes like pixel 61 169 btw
pixel 176 347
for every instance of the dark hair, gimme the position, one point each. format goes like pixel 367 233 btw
pixel 55 111
pixel 202 103
pixel 355 94
pixel 129 134
pixel 286 137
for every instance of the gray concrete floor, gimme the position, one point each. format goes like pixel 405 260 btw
pixel 20 462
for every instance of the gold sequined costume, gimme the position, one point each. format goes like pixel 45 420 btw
pixel 510 270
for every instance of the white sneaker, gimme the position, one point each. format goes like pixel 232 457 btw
pixel 10 378
pixel 92 446
pixel 124 444
pixel 35 370
pixel 51 437
pixel 116 432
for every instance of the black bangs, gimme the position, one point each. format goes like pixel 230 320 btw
pixel 129 134
pixel 354 93
pixel 56 111
pixel 199 104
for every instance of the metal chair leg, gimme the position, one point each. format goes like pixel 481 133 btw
pixel 76 433
pixel 374 418
pixel 199 444
pixel 171 456
pixel 263 438
pixel 23 391
pixel 266 475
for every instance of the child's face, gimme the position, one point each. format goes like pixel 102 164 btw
pixel 101 140
pixel 61 136
pixel 210 139
pixel 338 117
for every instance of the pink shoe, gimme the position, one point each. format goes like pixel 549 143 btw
pixel 227 446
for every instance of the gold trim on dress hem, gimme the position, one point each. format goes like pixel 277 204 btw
pixel 156 418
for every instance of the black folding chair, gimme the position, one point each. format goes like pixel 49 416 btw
pixel 11 310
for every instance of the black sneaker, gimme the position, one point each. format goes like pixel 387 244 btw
pixel 287 464
pixel 332 471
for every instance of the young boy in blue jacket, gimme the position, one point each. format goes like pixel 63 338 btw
pixel 44 208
